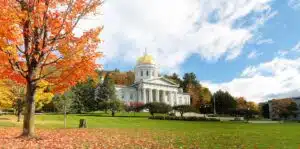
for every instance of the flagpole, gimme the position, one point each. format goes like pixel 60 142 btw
pixel 214 105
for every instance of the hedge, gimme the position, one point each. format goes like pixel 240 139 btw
pixel 192 118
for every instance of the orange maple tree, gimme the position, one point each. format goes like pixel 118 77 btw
pixel 37 42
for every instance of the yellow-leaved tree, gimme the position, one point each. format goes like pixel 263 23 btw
pixel 12 95
pixel 5 95
pixel 43 95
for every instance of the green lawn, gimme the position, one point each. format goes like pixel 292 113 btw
pixel 204 134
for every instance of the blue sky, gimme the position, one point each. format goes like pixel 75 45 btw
pixel 247 47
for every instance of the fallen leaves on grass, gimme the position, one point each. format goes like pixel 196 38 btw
pixel 78 138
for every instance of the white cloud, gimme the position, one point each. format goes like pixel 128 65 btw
pixel 295 4
pixel 274 79
pixel 172 30
pixel 296 47
pixel 282 53
pixel 294 51
pixel 265 41
pixel 254 54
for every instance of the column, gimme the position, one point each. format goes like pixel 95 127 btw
pixel 157 95
pixel 169 98
pixel 176 100
pixel 144 96
pixel 164 96
pixel 150 95
pixel 138 95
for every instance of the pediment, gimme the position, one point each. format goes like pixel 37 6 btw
pixel 161 81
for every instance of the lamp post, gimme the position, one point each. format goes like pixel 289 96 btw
pixel 214 105
pixel 248 114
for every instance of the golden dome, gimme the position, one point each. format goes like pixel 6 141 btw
pixel 146 59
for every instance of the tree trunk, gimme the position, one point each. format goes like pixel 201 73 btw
pixel 82 123
pixel 28 122
pixel 113 113
pixel 65 115
pixel 19 115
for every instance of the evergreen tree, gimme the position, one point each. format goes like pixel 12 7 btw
pixel 175 78
pixel 84 96
pixel 189 79
pixel 264 109
pixel 224 102
pixel 105 91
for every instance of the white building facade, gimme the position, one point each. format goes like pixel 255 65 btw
pixel 149 87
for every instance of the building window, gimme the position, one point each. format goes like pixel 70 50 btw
pixel 147 73
pixel 141 73
pixel 153 73
pixel 122 95
pixel 131 97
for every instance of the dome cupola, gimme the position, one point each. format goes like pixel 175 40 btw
pixel 145 68
pixel 145 59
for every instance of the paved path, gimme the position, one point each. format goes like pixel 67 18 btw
pixel 264 122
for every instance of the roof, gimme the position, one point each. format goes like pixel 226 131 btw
pixel 146 59
pixel 124 87
pixel 120 85
pixel 162 78
pixel 296 98
pixel 152 81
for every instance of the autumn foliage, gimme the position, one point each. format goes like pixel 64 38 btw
pixel 36 37
pixel 38 42
pixel 80 138
pixel 120 78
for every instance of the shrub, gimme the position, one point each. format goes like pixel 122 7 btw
pixel 158 107
pixel 158 117
pixel 172 114
pixel 184 108
pixel 114 106
pixel 192 118
pixel 134 107
pixel 237 119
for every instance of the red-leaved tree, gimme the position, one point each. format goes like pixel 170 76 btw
pixel 37 42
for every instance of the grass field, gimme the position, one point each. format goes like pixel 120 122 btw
pixel 184 134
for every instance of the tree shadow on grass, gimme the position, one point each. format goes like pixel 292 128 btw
pixel 4 118
pixel 123 116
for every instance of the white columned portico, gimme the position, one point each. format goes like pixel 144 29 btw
pixel 157 95
pixel 150 95
pixel 144 96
